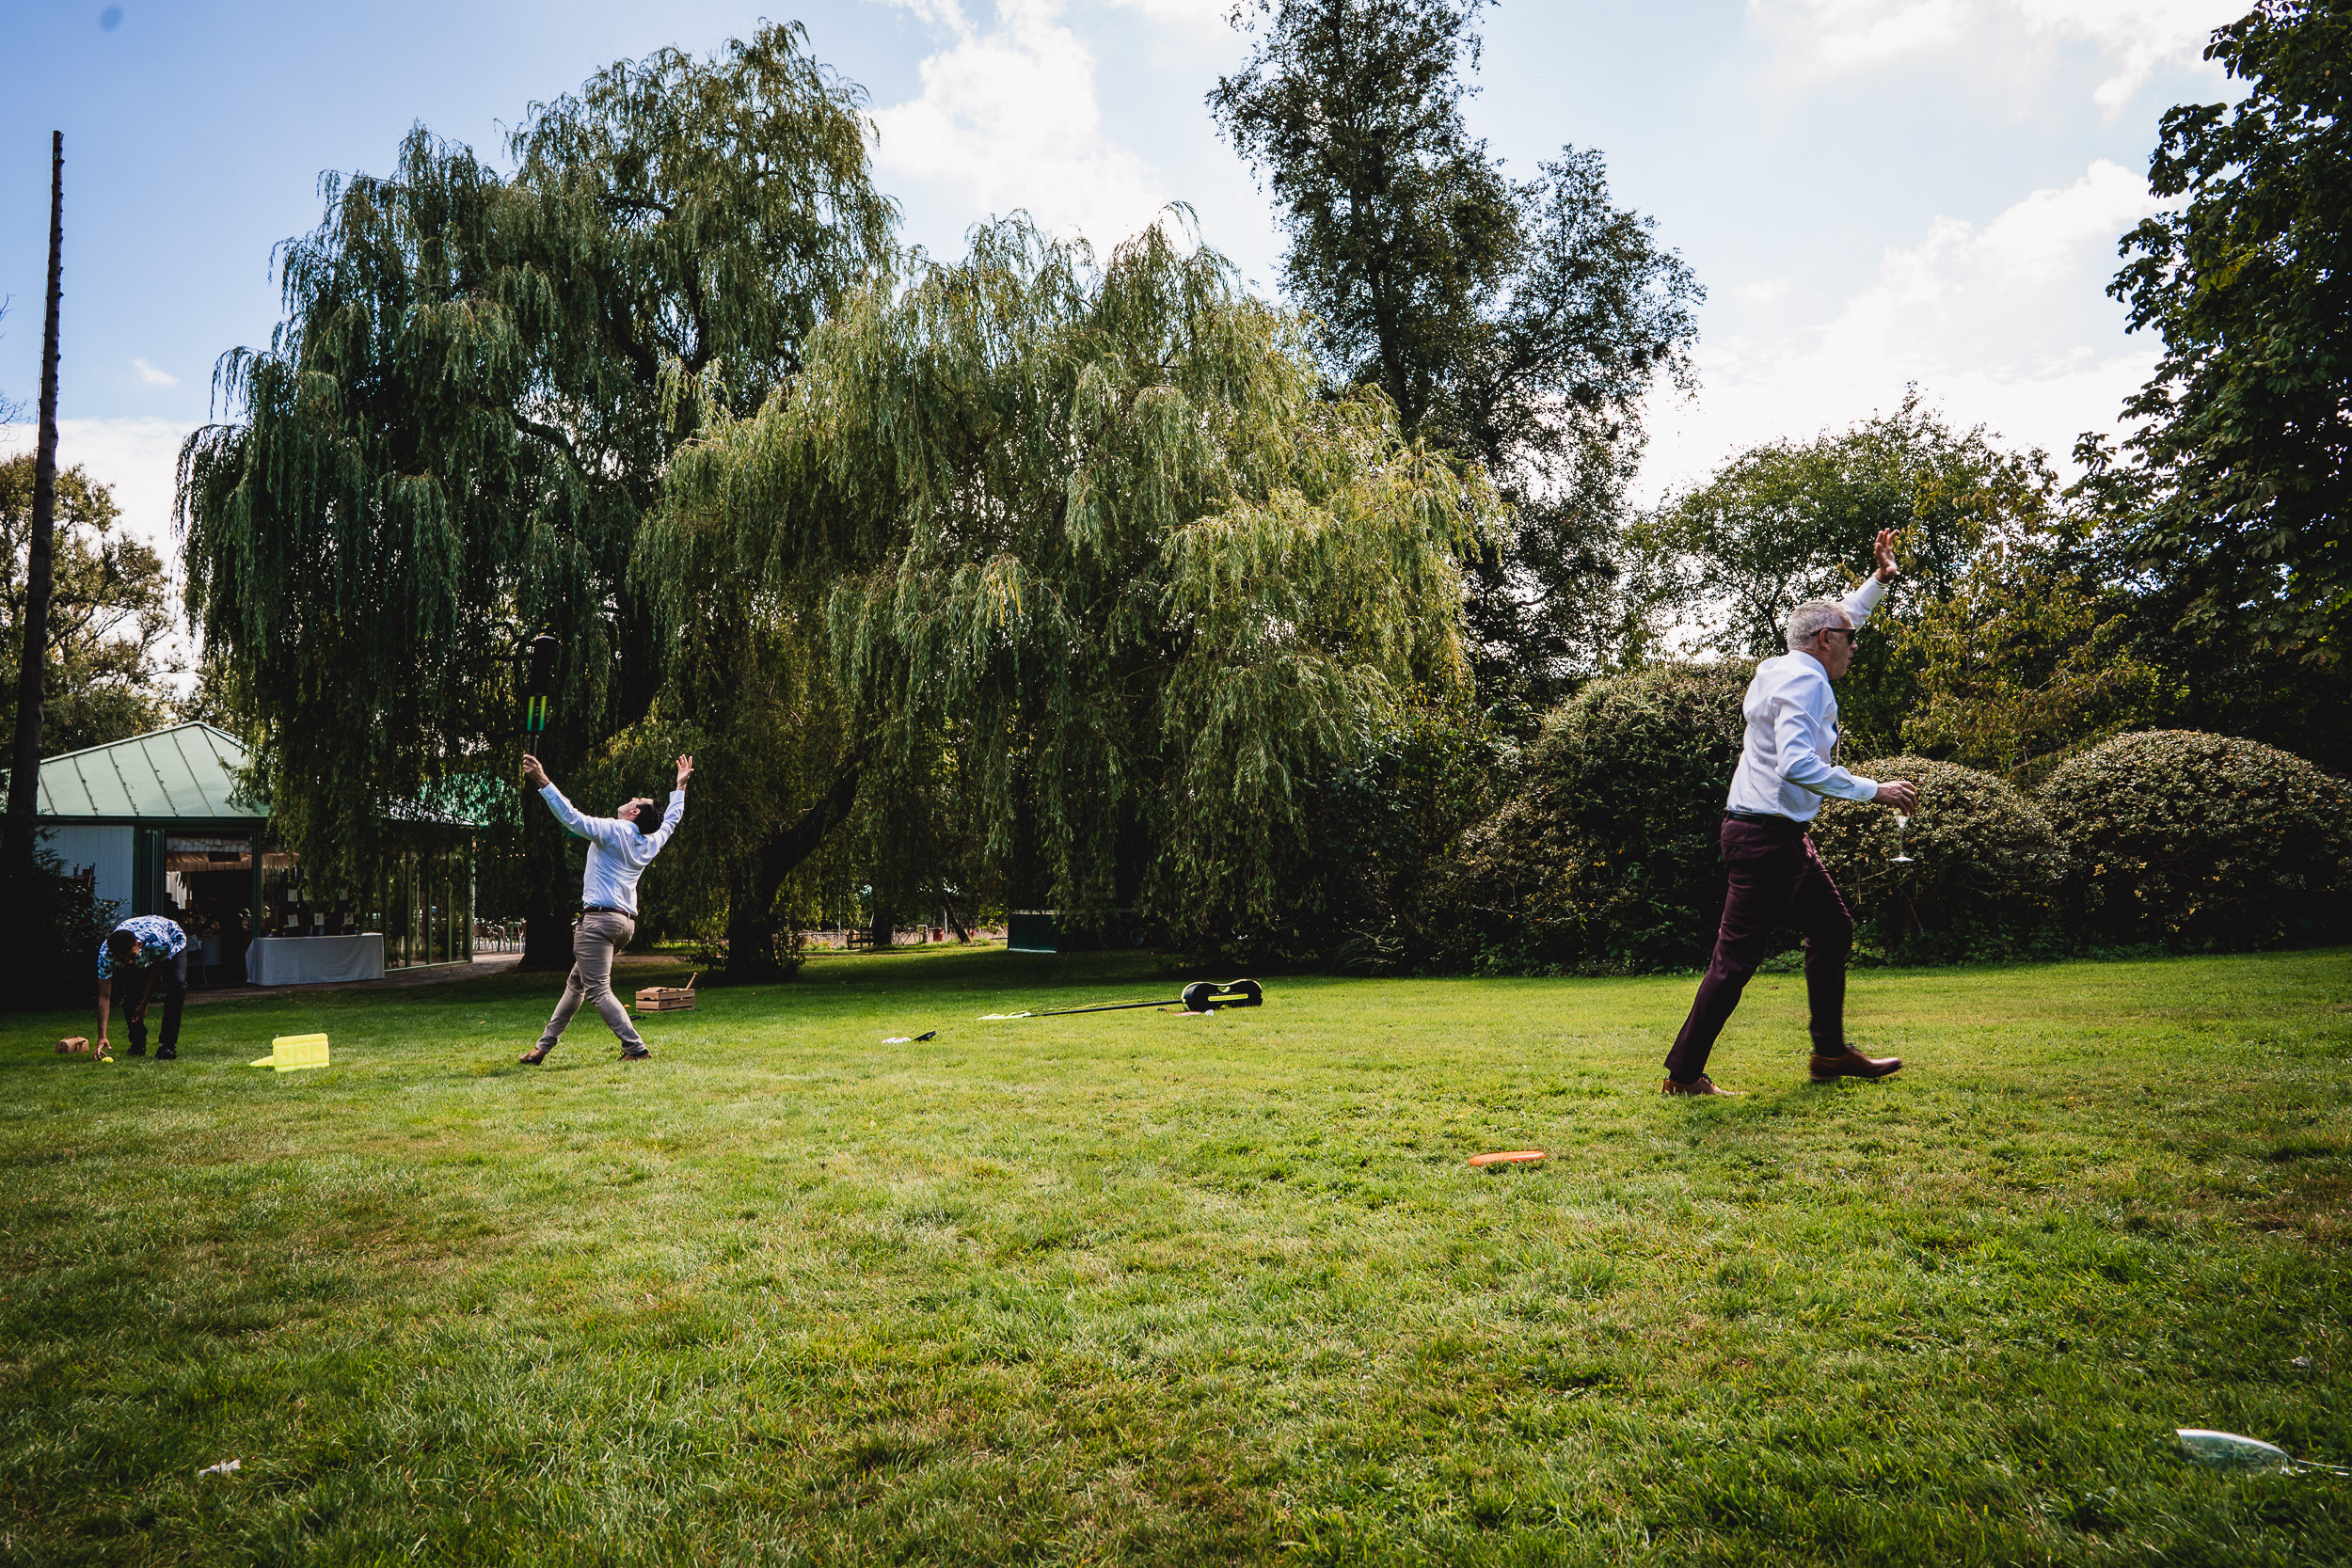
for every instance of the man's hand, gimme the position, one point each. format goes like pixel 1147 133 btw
pixel 1901 793
pixel 533 775
pixel 1883 548
pixel 685 770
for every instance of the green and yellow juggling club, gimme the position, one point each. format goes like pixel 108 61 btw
pixel 538 675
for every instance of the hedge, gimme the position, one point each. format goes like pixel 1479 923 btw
pixel 2203 841
pixel 1605 858
pixel 1986 874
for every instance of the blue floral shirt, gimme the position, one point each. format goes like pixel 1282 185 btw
pixel 159 938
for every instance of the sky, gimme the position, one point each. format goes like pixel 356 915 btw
pixel 1875 194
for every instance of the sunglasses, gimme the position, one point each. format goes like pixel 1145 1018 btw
pixel 1851 635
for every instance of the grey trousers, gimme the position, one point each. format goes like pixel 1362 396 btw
pixel 597 937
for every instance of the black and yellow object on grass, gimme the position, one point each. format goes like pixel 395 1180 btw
pixel 1202 996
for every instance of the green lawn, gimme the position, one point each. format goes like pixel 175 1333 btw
pixel 1139 1287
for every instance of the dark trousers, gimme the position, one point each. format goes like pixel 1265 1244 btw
pixel 1776 879
pixel 171 985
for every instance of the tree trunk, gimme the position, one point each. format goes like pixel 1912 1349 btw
pixel 546 910
pixel 751 903
pixel 24 779
pixel 884 926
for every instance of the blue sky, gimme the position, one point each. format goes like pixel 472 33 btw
pixel 1874 191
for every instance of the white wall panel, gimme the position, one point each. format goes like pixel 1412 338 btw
pixel 106 849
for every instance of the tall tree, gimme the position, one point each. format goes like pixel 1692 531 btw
pixel 111 613
pixel 1520 324
pixel 1089 556
pixel 453 439
pixel 1792 520
pixel 2237 482
pixel 24 771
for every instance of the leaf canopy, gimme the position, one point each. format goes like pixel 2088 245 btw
pixel 452 438
pixel 1095 537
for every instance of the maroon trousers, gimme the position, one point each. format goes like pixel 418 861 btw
pixel 1776 879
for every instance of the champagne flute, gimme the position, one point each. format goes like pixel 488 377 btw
pixel 1903 825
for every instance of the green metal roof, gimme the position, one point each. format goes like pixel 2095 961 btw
pixel 186 772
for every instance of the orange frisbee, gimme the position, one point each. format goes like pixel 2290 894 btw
pixel 1509 1157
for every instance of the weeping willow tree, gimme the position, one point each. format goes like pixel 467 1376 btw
pixel 1088 557
pixel 452 438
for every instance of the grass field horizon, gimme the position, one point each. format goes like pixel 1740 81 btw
pixel 1139 1287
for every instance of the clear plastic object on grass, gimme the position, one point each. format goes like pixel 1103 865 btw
pixel 2226 1451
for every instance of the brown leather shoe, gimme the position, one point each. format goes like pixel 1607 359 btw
pixel 1703 1086
pixel 533 1056
pixel 1854 1064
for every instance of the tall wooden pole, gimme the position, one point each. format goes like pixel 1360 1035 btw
pixel 25 777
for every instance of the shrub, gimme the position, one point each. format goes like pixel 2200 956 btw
pixel 1606 857
pixel 1986 873
pixel 2199 840
pixel 1356 886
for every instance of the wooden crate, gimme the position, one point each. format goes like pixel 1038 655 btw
pixel 668 999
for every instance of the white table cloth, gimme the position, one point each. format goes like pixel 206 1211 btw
pixel 314 961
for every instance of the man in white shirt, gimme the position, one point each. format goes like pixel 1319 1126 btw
pixel 1786 770
pixel 620 847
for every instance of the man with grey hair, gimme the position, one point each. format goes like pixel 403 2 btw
pixel 1776 877
pixel 620 847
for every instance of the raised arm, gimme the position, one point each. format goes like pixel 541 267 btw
pixel 599 830
pixel 676 811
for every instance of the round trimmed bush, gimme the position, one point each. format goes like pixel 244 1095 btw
pixel 1606 856
pixel 2196 840
pixel 1986 874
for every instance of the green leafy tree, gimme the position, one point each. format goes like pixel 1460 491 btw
pixel 1791 521
pixel 452 440
pixel 110 615
pixel 2027 661
pixel 1094 564
pixel 2237 482
pixel 1518 323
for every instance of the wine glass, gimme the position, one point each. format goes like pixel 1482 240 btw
pixel 1903 824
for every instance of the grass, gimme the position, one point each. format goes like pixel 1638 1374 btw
pixel 1132 1288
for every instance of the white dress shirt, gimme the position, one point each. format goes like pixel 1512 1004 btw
pixel 1785 767
pixel 617 852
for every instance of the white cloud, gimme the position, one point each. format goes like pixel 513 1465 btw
pixel 1008 117
pixel 2136 38
pixel 153 376
pixel 1989 321
pixel 1201 15
pixel 138 460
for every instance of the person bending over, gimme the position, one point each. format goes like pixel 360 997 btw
pixel 151 949
pixel 1775 875
pixel 620 847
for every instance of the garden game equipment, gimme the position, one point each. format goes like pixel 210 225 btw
pixel 1202 996
pixel 668 999
pixel 1509 1157
pixel 293 1053
pixel 538 675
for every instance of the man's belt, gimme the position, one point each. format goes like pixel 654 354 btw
pixel 1763 818
pixel 606 909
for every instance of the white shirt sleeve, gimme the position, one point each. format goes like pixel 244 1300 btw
pixel 670 821
pixel 596 830
pixel 1865 599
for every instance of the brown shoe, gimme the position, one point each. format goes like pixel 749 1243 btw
pixel 1703 1086
pixel 1854 1064
pixel 533 1056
